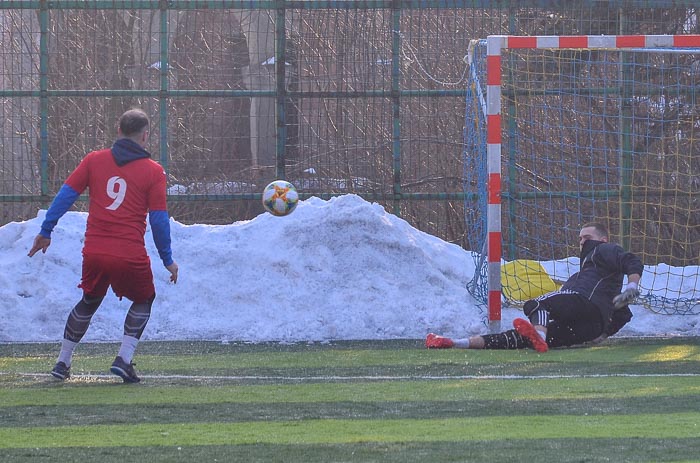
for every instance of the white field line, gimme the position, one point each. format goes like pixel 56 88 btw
pixel 367 377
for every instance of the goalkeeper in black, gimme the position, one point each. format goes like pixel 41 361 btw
pixel 591 306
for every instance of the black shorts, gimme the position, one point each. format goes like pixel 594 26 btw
pixel 573 319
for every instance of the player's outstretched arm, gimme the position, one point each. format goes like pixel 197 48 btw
pixel 61 203
pixel 630 292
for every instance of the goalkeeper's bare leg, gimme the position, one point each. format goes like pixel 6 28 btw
pixel 510 339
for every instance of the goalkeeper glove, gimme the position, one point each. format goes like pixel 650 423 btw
pixel 627 296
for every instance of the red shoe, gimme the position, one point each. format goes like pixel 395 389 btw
pixel 433 341
pixel 526 330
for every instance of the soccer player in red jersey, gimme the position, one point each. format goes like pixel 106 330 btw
pixel 125 185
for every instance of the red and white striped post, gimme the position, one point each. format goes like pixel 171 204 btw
pixel 495 44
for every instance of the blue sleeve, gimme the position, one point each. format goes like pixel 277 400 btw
pixel 61 203
pixel 160 226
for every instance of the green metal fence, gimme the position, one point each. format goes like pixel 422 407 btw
pixel 363 97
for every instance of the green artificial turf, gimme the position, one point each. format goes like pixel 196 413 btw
pixel 628 400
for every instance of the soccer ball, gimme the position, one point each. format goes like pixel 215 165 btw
pixel 280 198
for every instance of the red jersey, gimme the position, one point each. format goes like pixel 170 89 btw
pixel 120 198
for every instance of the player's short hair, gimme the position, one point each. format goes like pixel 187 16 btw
pixel 599 227
pixel 133 122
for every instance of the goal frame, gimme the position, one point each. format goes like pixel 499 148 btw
pixel 495 46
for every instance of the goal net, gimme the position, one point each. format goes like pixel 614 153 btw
pixel 564 130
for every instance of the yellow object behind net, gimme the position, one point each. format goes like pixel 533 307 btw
pixel 523 279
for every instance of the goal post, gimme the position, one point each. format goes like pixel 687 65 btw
pixel 591 128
